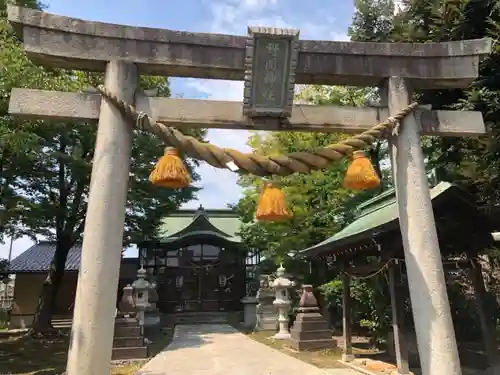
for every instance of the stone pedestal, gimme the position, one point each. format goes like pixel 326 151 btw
pixel 266 312
pixel 128 342
pixel 310 330
pixel 249 311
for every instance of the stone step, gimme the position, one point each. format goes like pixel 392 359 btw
pixel 66 323
pixel 197 314
pixel 201 318
pixel 127 322
pixel 124 331
pixel 127 342
pixel 313 344
pixel 138 352
pixel 312 335
pixel 319 325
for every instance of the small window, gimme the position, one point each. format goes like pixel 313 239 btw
pixel 172 262
pixel 195 251
pixel 210 252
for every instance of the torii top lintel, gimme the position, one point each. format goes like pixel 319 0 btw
pixel 66 42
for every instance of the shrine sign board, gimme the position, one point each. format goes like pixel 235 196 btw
pixel 271 58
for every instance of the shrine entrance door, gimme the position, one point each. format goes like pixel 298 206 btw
pixel 201 278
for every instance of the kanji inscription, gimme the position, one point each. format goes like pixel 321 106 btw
pixel 270 84
pixel 270 67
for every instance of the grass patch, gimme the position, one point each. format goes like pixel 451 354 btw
pixel 327 358
pixel 129 368
pixel 23 355
pixel 161 338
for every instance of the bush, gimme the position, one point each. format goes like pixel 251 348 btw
pixel 371 308
pixel 4 319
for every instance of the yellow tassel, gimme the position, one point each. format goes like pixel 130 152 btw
pixel 272 205
pixel 360 174
pixel 170 171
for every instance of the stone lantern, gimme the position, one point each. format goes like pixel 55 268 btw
pixel 281 285
pixel 141 294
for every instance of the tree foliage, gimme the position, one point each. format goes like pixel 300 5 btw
pixel 320 205
pixel 372 20
pixel 472 163
pixel 45 166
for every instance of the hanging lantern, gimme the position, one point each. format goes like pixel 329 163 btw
pixel 360 174
pixel 170 171
pixel 272 205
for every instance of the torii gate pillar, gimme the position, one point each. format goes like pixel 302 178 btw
pixel 436 341
pixel 93 320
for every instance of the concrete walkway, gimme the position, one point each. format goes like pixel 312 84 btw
pixel 219 349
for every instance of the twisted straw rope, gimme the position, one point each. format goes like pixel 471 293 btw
pixel 259 165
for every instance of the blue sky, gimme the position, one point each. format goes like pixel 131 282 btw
pixel 316 19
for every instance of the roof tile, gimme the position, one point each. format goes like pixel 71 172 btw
pixel 38 257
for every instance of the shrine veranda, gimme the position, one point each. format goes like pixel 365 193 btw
pixel 270 61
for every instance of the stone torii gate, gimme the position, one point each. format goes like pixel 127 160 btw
pixel 270 61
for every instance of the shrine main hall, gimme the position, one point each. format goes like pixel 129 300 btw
pixel 198 264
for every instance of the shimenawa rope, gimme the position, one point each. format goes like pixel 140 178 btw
pixel 259 165
pixel 370 275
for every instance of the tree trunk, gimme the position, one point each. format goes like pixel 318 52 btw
pixel 42 322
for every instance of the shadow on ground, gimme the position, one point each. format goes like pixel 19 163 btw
pixel 25 355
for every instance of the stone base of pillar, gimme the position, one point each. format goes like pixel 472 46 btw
pixel 396 372
pixel 348 357
pixel 283 336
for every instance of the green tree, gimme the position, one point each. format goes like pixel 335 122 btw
pixel 45 168
pixel 320 205
pixel 4 264
pixel 16 137
pixel 470 162
pixel 372 21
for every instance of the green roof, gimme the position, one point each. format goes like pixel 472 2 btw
pixel 223 223
pixel 375 215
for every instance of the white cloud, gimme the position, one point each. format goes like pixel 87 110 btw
pixel 219 186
